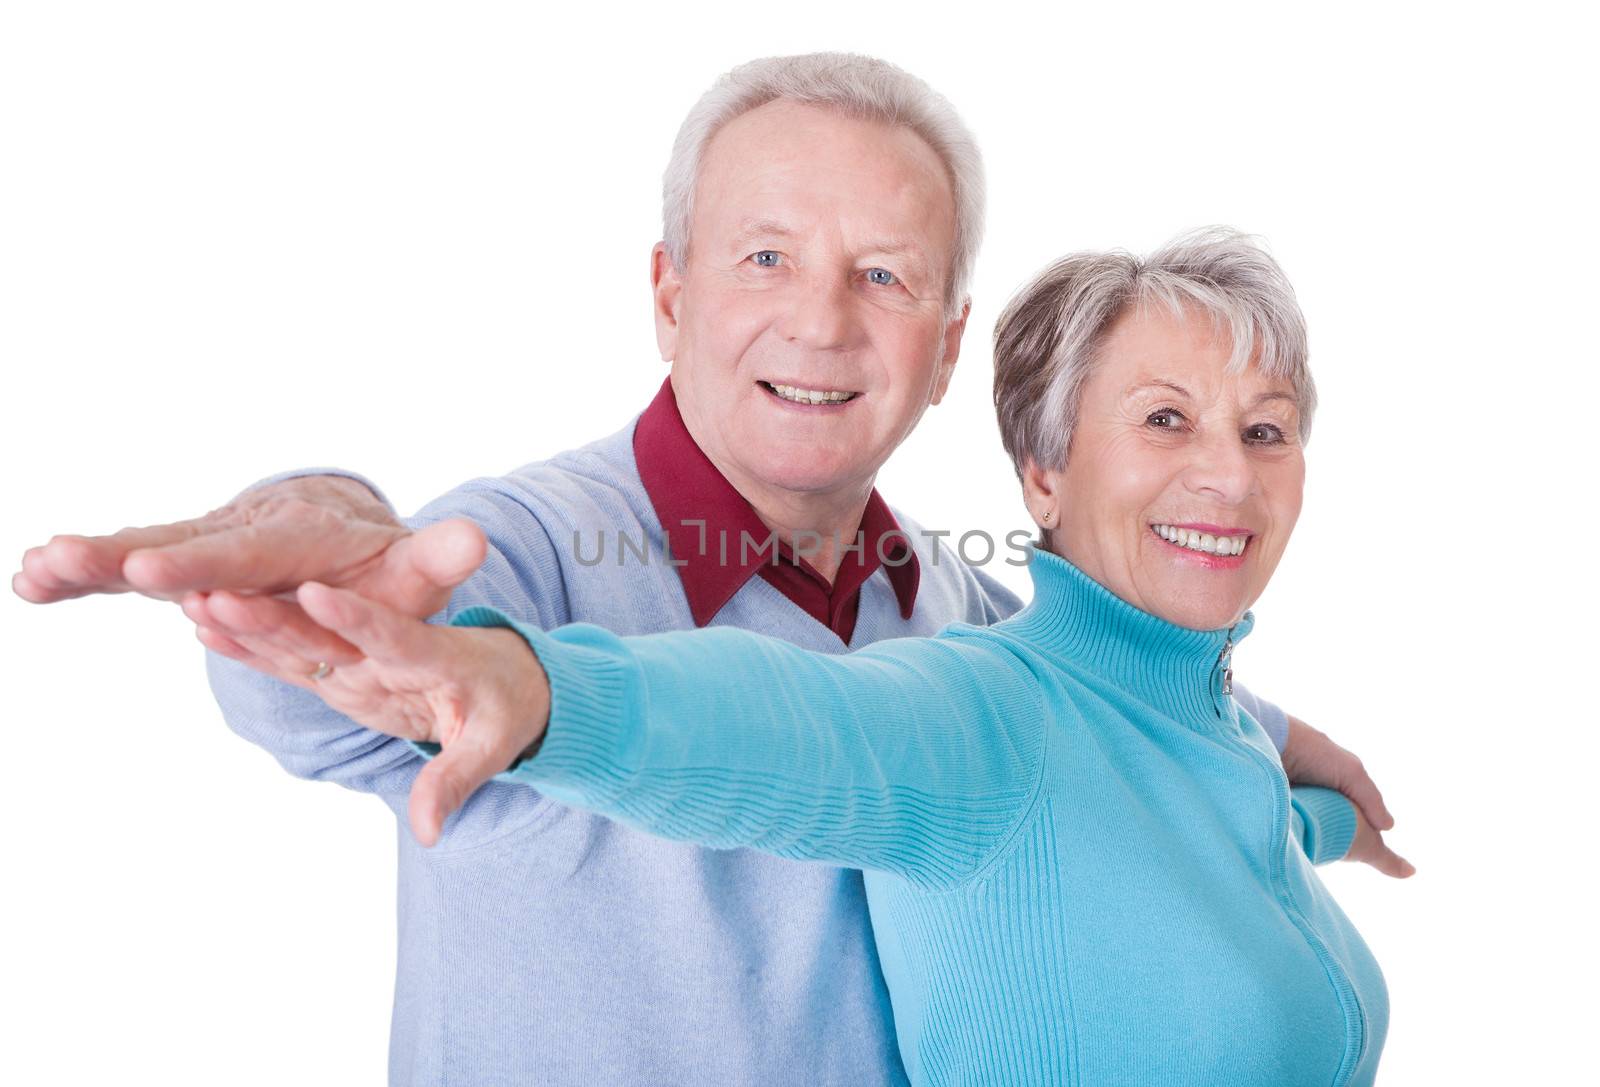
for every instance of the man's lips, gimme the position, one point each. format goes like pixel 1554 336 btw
pixel 802 396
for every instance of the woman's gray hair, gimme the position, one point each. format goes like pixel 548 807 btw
pixel 860 87
pixel 1048 340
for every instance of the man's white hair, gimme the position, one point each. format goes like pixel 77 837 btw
pixel 1048 339
pixel 860 87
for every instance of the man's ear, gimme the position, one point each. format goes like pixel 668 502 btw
pixel 952 349
pixel 666 288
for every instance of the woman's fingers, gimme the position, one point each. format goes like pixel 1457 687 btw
pixel 218 642
pixel 284 625
pixel 1368 847
pixel 450 777
pixel 380 632
pixel 1389 862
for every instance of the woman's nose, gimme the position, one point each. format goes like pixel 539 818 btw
pixel 1220 469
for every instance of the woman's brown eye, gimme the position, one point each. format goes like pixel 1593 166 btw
pixel 1263 434
pixel 1165 419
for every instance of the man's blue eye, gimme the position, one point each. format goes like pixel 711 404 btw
pixel 766 258
pixel 881 276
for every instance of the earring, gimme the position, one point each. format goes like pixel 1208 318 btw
pixel 1046 517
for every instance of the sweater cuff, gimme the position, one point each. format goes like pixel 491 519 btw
pixel 581 754
pixel 1330 822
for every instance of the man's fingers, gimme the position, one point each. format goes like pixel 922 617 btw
pixel 446 782
pixel 1363 792
pixel 272 555
pixel 72 565
pixel 380 632
pixel 31 590
pixel 240 557
pixel 419 571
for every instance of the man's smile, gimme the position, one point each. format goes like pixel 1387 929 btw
pixel 795 394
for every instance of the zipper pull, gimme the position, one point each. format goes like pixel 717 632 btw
pixel 1226 665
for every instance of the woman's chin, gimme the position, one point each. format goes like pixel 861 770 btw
pixel 1199 610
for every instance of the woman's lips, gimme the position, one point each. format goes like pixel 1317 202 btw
pixel 1199 544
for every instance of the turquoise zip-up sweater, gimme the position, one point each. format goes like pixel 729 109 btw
pixel 1084 863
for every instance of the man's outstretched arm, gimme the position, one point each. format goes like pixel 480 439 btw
pixel 233 561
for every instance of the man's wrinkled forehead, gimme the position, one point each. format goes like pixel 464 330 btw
pixel 784 171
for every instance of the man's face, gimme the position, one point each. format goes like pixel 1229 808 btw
pixel 808 331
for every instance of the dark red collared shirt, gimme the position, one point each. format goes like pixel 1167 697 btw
pixel 715 534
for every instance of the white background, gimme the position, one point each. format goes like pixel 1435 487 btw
pixel 412 240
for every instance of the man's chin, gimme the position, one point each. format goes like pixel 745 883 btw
pixel 807 473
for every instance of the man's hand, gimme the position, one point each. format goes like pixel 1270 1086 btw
pixel 479 693
pixel 270 540
pixel 1310 758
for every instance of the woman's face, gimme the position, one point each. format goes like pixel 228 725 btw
pixel 1172 462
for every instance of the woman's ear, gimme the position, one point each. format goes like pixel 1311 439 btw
pixel 1041 492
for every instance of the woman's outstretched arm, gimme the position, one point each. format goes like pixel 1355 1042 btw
pixel 916 756
pixel 913 756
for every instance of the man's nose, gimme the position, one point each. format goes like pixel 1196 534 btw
pixel 822 314
pixel 1220 468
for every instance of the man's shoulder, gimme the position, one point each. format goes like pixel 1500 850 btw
pixel 596 482
pixel 954 580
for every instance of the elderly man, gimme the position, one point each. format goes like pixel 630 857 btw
pixel 821 219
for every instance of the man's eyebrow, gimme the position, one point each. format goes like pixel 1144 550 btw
pixel 761 228
pixel 895 247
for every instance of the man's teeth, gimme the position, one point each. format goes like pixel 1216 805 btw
pixel 810 396
pixel 1202 541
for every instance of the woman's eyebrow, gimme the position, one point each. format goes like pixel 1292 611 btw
pixel 1140 385
pixel 1264 397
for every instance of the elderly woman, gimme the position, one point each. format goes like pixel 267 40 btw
pixel 1084 862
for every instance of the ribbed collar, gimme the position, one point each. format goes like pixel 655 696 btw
pixel 1172 668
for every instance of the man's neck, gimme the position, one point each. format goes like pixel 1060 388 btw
pixel 818 526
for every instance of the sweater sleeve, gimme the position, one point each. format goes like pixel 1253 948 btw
pixel 1324 822
pixel 1273 721
pixel 914 756
pixel 310 740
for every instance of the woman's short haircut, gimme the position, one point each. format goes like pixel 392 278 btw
pixel 855 86
pixel 1048 339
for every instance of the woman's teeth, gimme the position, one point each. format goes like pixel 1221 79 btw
pixel 1202 541
pixel 810 396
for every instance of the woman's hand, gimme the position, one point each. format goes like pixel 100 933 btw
pixel 1367 848
pixel 479 693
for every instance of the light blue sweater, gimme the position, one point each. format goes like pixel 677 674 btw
pixel 1084 864
pixel 542 944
